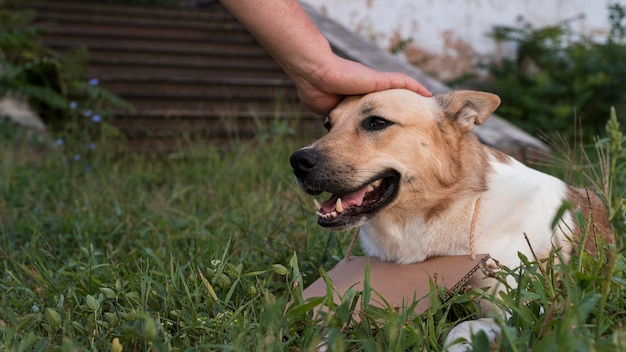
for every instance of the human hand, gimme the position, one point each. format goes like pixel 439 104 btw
pixel 323 78
pixel 323 88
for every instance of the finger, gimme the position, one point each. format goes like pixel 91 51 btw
pixel 419 88
pixel 318 102
pixel 401 80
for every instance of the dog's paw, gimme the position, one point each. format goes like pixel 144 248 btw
pixel 460 337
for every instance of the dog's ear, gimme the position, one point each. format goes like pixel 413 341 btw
pixel 468 108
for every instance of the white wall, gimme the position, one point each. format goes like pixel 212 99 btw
pixel 453 32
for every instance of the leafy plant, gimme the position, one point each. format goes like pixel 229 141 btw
pixel 50 81
pixel 556 75
pixel 27 67
pixel 612 153
pixel 600 167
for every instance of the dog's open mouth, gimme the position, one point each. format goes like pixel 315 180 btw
pixel 351 208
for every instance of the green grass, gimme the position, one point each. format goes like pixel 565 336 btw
pixel 210 249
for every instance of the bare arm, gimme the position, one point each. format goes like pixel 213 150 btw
pixel 293 40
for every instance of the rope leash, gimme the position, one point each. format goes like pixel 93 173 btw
pixel 472 234
pixel 352 245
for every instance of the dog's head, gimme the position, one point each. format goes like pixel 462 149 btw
pixel 383 142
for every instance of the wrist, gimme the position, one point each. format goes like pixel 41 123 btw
pixel 310 63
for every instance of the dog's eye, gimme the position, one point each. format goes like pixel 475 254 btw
pixel 375 123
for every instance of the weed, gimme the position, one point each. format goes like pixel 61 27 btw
pixel 211 250
pixel 53 83
pixel 556 73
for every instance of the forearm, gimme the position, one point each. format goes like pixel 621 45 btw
pixel 323 79
pixel 293 41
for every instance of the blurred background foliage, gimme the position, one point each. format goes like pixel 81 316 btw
pixel 557 77
pixel 53 83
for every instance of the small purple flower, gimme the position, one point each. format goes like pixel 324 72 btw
pixel 88 113
pixel 89 168
pixel 76 157
pixel 96 118
pixel 91 146
pixel 60 142
pixel 94 82
pixel 73 105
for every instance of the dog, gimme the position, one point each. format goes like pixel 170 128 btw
pixel 410 172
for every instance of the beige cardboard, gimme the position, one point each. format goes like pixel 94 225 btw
pixel 398 283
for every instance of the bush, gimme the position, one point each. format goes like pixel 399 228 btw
pixel 28 68
pixel 49 80
pixel 556 75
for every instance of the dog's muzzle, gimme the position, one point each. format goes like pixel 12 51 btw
pixel 350 203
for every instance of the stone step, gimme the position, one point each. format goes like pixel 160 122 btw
pixel 136 59
pixel 156 46
pixel 125 84
pixel 164 124
pixel 186 72
pixel 164 73
pixel 261 114
pixel 279 100
pixel 143 28
pixel 121 32
pixel 138 15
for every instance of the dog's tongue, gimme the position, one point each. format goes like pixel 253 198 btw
pixel 347 200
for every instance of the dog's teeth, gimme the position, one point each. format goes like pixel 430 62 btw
pixel 370 188
pixel 328 216
pixel 339 206
pixel 317 204
pixel 376 183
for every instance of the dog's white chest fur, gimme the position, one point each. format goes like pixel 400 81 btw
pixel 518 201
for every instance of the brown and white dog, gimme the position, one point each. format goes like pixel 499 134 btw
pixel 409 171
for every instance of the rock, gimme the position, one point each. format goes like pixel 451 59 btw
pixel 21 125
pixel 18 111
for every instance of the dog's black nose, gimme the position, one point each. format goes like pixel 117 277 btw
pixel 303 161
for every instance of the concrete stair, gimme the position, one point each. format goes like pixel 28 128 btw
pixel 193 72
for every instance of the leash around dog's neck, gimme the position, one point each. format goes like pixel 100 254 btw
pixel 352 245
pixel 472 234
